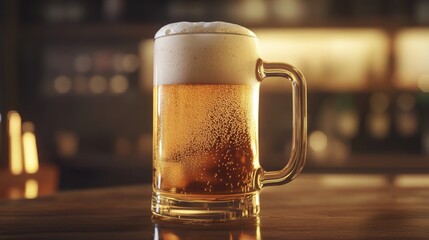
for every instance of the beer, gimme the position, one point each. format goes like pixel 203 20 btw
pixel 206 141
pixel 205 111
pixel 206 99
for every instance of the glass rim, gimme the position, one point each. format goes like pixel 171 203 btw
pixel 206 33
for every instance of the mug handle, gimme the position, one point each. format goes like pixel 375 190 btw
pixel 299 121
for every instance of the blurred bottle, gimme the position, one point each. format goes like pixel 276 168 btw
pixel 346 125
pixel 320 138
pixel 337 123
pixel 347 117
pixel 378 122
pixel 318 143
pixel 406 119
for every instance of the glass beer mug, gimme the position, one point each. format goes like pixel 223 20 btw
pixel 206 100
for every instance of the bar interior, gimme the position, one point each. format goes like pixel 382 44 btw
pixel 76 89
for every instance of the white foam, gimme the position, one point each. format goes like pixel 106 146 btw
pixel 187 55
pixel 203 27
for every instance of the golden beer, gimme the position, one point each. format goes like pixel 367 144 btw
pixel 206 139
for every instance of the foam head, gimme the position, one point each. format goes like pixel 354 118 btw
pixel 205 53
pixel 203 27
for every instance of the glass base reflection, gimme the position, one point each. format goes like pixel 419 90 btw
pixel 244 229
pixel 197 209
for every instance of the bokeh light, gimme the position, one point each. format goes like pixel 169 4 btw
pixel 318 141
pixel 97 84
pixel 62 84
pixel 119 84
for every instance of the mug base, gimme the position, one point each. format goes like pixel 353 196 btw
pixel 220 209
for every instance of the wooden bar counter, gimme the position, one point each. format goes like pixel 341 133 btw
pixel 311 207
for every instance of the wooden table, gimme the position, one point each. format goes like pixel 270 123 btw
pixel 311 207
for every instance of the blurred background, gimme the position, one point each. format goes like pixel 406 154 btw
pixel 76 86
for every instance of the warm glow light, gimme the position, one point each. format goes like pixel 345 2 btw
pixel 62 84
pixel 119 84
pixel 412 57
pixel 348 123
pixel 31 189
pixel 245 10
pixel 290 11
pixel 378 125
pixel 31 160
pixel 412 181
pixel 15 147
pixel 130 62
pixel 169 236
pixel 146 64
pixel 97 84
pixel 15 193
pixel 330 58
pixel 318 141
pixel 423 82
pixel 349 181
pixel 67 144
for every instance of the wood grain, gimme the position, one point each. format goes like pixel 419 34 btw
pixel 307 208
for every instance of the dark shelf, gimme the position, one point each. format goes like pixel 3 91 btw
pixel 132 29
pixel 89 30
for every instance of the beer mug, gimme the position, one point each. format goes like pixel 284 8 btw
pixel 205 126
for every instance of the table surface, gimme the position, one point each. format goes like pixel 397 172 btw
pixel 311 207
